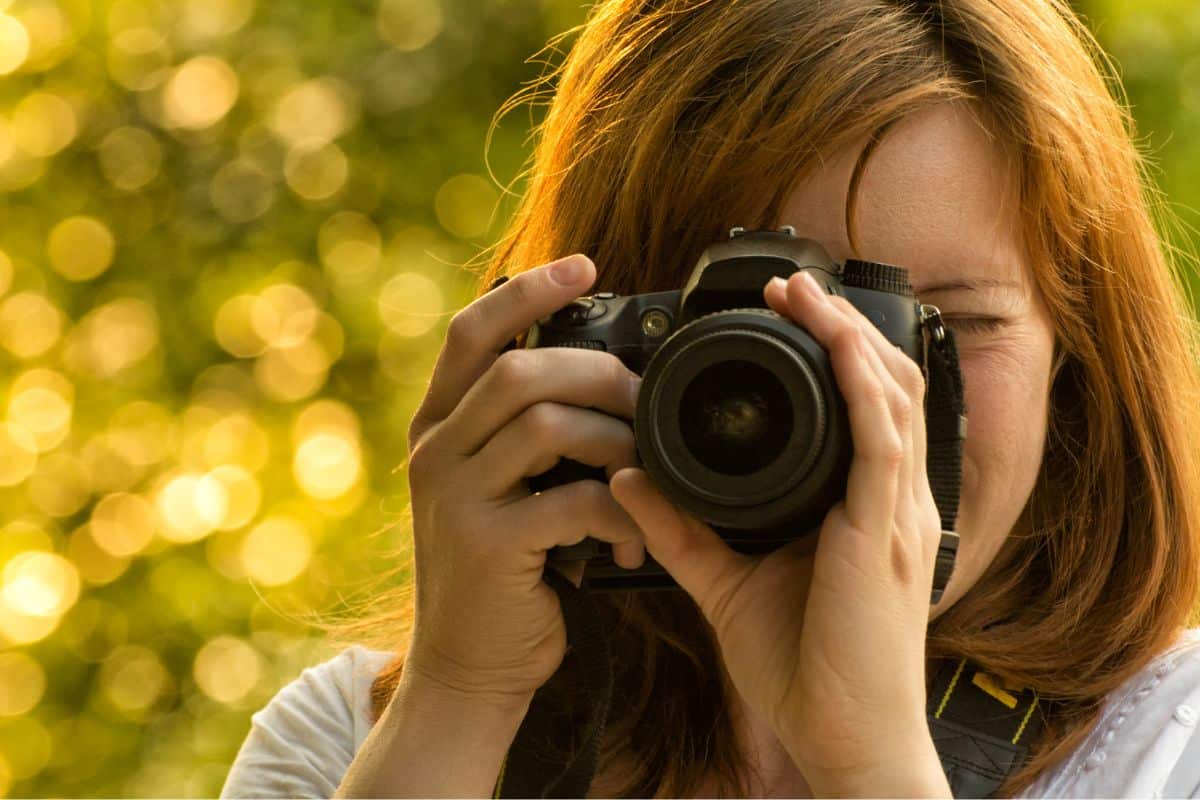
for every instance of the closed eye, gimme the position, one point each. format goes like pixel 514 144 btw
pixel 973 324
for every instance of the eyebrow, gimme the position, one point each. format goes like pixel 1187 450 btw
pixel 968 285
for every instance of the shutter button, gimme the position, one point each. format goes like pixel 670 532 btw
pixel 584 310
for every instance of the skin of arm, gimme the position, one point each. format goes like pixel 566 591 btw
pixel 434 742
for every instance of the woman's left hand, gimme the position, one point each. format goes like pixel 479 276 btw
pixel 844 689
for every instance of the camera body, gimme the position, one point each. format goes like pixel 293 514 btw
pixel 739 419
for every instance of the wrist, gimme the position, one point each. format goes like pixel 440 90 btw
pixel 914 771
pixel 434 690
pixel 435 740
pixel 430 675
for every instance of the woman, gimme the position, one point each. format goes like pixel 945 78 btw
pixel 974 142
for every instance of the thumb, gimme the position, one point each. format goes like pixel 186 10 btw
pixel 695 555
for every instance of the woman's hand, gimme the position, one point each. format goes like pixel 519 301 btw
pixel 830 647
pixel 487 626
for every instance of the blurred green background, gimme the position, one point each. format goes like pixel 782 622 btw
pixel 231 235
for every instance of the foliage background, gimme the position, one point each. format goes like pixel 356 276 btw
pixel 231 234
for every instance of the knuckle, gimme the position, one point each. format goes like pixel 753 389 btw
pixel 843 304
pixel 521 287
pixel 590 493
pixel 415 430
pixel 906 557
pixel 902 410
pixel 875 394
pixel 615 372
pixel 891 453
pixel 543 421
pixel 514 368
pixel 911 377
pixel 847 335
pixel 420 458
pixel 462 332
pixel 426 466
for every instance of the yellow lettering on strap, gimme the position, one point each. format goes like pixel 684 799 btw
pixel 988 684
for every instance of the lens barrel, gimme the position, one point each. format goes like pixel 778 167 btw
pixel 739 420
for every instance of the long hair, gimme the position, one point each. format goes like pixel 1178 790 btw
pixel 671 120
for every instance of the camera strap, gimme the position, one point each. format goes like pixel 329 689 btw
pixel 978 723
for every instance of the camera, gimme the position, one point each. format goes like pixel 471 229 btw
pixel 739 419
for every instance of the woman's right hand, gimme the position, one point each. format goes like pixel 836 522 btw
pixel 486 624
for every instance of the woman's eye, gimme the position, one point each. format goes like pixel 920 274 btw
pixel 973 324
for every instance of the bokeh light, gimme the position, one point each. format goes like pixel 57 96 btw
pixel 40 401
pixel 43 124
pixel 202 20
pixel 132 678
pixel 112 338
pixel 351 246
pixel 123 524
pixel 58 486
pixel 130 157
pixel 14 44
pixel 39 584
pixel 96 565
pixel 26 747
pixel 139 58
pixel 316 173
pixel 276 551
pixel 326 465
pixel 6 272
pixel 465 205
pixel 22 683
pixel 409 24
pixel 18 454
pixel 29 324
pixel 314 113
pixel 410 304
pixel 81 247
pixel 199 93
pixel 191 505
pixel 227 668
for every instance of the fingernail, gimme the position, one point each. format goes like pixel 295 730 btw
pixel 568 271
pixel 779 283
pixel 813 288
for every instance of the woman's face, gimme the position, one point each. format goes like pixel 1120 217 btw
pixel 939 197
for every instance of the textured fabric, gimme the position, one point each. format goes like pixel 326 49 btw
pixel 1145 743
pixel 302 742
pixel 1142 736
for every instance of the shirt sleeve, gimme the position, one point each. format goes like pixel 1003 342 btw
pixel 302 742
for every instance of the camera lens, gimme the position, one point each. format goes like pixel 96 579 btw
pixel 736 417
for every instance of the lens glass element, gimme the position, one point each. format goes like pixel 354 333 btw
pixel 736 417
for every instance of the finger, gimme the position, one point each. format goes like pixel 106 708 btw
pixel 692 552
pixel 899 403
pixel 567 514
pixel 541 434
pixel 907 378
pixel 478 332
pixel 520 378
pixel 904 370
pixel 871 489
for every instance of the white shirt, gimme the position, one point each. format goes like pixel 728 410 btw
pixel 1145 743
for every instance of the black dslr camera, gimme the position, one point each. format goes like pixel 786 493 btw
pixel 739 418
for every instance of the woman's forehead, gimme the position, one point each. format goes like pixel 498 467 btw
pixel 938 196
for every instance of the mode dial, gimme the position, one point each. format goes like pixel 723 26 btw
pixel 873 275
